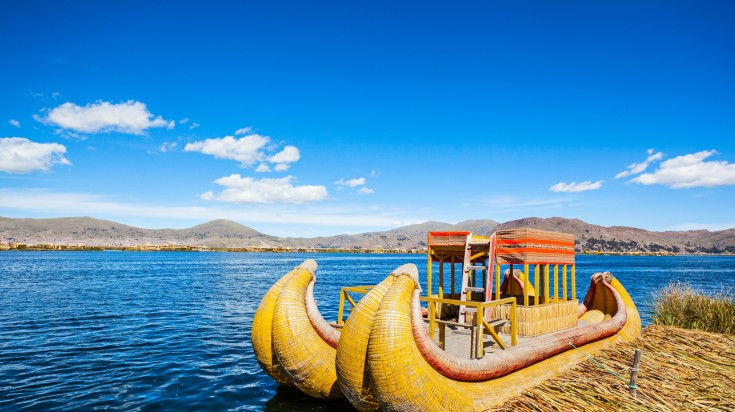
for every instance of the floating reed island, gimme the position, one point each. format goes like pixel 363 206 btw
pixel 470 347
pixel 681 369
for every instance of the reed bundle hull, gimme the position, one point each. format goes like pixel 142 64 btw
pixel 292 342
pixel 385 358
pixel 403 370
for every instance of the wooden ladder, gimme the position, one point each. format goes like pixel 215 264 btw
pixel 469 270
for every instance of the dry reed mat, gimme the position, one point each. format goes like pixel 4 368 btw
pixel 680 370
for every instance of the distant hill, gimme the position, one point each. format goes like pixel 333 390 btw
pixel 96 232
pixel 405 238
pixel 623 239
pixel 228 234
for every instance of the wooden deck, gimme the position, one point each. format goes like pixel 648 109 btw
pixel 458 341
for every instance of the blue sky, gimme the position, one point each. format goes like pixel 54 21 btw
pixel 320 118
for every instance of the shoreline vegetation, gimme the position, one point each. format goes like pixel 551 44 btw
pixel 82 233
pixel 688 362
pixel 186 248
pixel 679 305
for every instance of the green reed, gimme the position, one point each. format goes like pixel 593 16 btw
pixel 682 306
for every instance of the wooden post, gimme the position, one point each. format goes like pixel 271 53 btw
pixel 513 323
pixel 472 341
pixel 556 282
pixel 526 284
pixel 574 283
pixel 441 276
pixel 479 340
pixel 439 303
pixel 341 312
pixel 634 373
pixel 546 283
pixel 442 336
pixel 453 297
pixel 564 285
pixel 432 315
pixel 497 281
pixel 429 293
pixel 537 283
pixel 428 274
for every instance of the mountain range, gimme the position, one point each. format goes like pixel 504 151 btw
pixel 228 234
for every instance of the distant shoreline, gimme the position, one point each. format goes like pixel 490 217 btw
pixel 79 233
pixel 326 250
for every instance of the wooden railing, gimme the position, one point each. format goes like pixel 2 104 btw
pixel 479 326
pixel 344 295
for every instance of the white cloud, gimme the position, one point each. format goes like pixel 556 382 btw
pixel 246 150
pixel 14 122
pixel 360 181
pixel 636 168
pixel 249 190
pixel 168 146
pixel 289 154
pixel 185 120
pixel 690 171
pixel 576 187
pixel 130 117
pixel 194 125
pixel 243 130
pixel 20 155
pixel 284 158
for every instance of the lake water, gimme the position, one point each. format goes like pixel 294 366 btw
pixel 171 331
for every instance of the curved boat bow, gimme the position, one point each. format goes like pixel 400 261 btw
pixel 291 340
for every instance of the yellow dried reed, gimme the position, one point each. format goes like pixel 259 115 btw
pixel 680 370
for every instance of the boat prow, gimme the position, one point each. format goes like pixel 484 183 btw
pixel 291 340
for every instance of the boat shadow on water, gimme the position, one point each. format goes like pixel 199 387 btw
pixel 292 399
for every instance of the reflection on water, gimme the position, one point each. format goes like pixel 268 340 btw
pixel 292 399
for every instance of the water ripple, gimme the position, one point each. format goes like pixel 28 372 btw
pixel 171 331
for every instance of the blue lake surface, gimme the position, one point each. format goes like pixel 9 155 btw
pixel 171 331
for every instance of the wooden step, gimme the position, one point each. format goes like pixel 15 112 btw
pixel 472 289
pixel 497 322
pixel 477 267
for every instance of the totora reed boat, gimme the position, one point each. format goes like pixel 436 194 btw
pixel 469 344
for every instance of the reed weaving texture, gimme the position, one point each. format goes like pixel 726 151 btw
pixel 262 336
pixel 447 238
pixel 305 357
pixel 538 320
pixel 534 246
pixel 351 362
